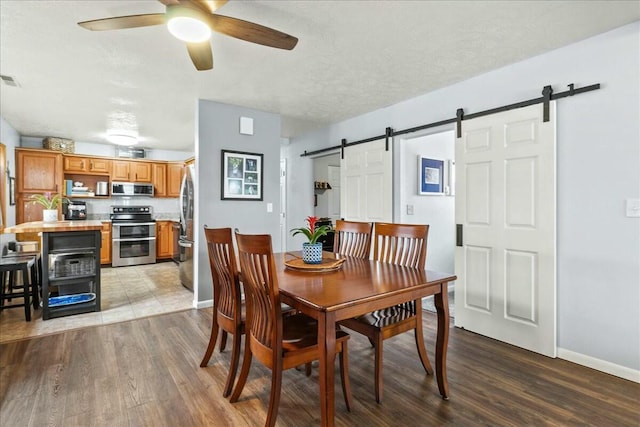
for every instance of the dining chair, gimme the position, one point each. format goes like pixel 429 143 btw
pixel 228 309
pixel 353 238
pixel 405 245
pixel 278 342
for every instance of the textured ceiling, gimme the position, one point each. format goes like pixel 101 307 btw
pixel 352 57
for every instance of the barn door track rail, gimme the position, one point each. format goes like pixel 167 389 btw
pixel 545 99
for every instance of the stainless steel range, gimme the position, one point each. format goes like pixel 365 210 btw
pixel 134 236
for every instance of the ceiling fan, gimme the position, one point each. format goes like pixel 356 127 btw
pixel 192 22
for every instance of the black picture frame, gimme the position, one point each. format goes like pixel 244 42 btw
pixel 241 175
pixel 12 191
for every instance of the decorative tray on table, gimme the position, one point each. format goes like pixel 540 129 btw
pixel 295 262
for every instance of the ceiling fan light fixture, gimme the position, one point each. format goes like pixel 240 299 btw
pixel 122 139
pixel 188 24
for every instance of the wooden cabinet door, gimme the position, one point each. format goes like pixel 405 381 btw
pixel 98 165
pixel 140 171
pixel 26 210
pixel 159 180
pixel 105 249
pixel 174 179
pixel 119 170
pixel 75 164
pixel 164 245
pixel 38 171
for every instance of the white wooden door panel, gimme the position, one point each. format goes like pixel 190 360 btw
pixel 367 183
pixel 506 202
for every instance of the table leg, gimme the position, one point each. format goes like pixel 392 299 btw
pixel 441 301
pixel 327 349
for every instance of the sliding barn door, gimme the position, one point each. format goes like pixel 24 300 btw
pixel 367 183
pixel 506 204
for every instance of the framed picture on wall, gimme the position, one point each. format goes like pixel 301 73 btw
pixel 430 176
pixel 241 175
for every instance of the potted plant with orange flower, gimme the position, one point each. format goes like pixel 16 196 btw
pixel 312 249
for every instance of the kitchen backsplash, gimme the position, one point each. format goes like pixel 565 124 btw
pixel 99 209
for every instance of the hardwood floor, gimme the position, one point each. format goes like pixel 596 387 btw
pixel 145 372
pixel 127 293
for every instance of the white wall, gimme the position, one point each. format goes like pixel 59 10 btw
pixel 437 211
pixel 598 168
pixel 11 139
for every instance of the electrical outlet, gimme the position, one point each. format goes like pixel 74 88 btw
pixel 409 209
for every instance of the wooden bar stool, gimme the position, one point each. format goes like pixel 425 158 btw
pixel 8 267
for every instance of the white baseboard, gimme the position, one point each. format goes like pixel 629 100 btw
pixel 204 304
pixel 600 365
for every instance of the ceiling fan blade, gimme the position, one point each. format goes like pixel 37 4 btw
pixel 120 22
pixel 212 5
pixel 206 5
pixel 251 32
pixel 201 55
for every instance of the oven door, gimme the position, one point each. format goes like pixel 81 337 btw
pixel 133 244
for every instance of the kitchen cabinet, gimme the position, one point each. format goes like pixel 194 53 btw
pixel 131 171
pixel 174 178
pixel 105 249
pixel 167 178
pixel 37 172
pixel 159 180
pixel 87 165
pixel 164 239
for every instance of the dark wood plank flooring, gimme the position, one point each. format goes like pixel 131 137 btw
pixel 145 372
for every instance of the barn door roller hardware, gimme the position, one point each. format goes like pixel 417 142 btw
pixel 545 99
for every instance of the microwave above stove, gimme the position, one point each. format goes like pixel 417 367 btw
pixel 131 189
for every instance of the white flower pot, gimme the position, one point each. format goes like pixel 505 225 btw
pixel 50 215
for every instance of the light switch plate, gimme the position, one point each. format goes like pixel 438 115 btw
pixel 269 207
pixel 409 209
pixel 633 208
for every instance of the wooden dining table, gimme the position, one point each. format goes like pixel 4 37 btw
pixel 358 287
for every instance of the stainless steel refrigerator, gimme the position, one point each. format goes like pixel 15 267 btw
pixel 185 242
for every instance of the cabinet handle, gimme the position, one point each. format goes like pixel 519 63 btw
pixel 82 164
pixel 91 165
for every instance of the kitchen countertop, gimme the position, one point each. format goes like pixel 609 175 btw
pixel 57 226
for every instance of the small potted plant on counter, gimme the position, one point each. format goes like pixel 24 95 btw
pixel 50 202
pixel 312 250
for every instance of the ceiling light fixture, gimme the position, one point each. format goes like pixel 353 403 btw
pixel 122 139
pixel 188 24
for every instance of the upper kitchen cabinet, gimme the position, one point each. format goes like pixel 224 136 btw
pixel 159 179
pixel 131 171
pixel 38 171
pixel 86 165
pixel 167 178
pixel 174 179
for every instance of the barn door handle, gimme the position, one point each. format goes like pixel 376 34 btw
pixel 459 235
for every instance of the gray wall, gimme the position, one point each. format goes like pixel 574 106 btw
pixel 218 128
pixel 598 169
pixel 11 139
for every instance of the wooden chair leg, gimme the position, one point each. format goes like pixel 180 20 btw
pixel 307 369
pixel 422 352
pixel 378 368
pixel 233 366
pixel 274 398
pixel 344 376
pixel 244 372
pixel 223 341
pixel 212 342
